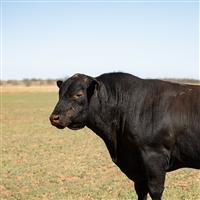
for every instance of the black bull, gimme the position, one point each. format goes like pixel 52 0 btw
pixel 150 127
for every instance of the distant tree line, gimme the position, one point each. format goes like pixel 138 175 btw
pixel 35 82
pixel 29 82
pixel 183 80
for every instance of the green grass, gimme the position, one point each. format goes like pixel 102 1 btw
pixel 40 162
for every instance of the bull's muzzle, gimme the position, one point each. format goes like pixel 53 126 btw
pixel 55 121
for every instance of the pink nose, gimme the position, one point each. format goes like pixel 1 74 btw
pixel 54 118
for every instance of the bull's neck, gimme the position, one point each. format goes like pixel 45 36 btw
pixel 107 131
pixel 103 114
pixel 104 120
pixel 101 122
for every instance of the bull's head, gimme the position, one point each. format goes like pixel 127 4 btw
pixel 74 97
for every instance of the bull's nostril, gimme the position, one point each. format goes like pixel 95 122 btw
pixel 54 118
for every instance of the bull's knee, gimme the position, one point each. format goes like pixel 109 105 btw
pixel 141 189
pixel 156 192
pixel 154 163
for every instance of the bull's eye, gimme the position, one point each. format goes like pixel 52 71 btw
pixel 78 95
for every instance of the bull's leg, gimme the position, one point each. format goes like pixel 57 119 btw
pixel 154 165
pixel 156 187
pixel 141 189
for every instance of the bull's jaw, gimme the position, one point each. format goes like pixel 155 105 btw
pixel 76 126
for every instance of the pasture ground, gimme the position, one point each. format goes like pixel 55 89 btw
pixel 40 162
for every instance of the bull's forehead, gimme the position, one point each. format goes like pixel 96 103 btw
pixel 82 78
pixel 77 75
pixel 76 82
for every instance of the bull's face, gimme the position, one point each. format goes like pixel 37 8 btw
pixel 72 108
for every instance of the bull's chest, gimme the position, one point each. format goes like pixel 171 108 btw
pixel 129 162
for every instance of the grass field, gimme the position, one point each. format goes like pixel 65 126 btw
pixel 40 162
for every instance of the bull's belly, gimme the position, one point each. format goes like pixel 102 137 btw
pixel 132 166
pixel 189 164
pixel 184 158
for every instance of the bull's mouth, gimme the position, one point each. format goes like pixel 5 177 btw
pixel 57 125
pixel 75 126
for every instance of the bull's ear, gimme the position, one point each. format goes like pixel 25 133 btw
pixel 59 83
pixel 93 88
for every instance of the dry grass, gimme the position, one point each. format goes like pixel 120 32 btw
pixel 39 162
pixel 29 89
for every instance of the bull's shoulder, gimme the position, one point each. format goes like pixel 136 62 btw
pixel 118 80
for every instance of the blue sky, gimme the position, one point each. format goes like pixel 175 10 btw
pixel 54 39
